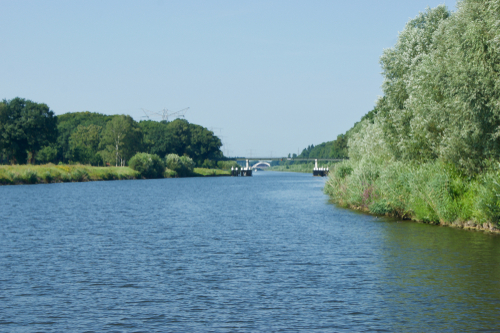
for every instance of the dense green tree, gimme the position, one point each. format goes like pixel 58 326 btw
pixel 68 123
pixel 339 147
pixel 87 137
pixel 399 65
pixel 84 144
pixel 331 149
pixel 47 154
pixel 456 91
pixel 157 137
pixel 25 127
pixel 204 145
pixel 441 88
pixel 181 131
pixel 181 138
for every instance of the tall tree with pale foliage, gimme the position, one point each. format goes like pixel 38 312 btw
pixel 442 88
pixel 121 140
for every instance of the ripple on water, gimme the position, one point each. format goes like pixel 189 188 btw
pixel 266 253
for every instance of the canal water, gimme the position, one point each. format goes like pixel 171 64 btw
pixel 262 253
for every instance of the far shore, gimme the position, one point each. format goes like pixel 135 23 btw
pixel 51 173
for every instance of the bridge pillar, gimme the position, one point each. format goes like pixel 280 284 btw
pixel 235 172
pixel 320 172
pixel 246 171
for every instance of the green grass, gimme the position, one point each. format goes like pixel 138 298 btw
pixel 431 192
pixel 203 172
pixel 50 173
pixel 300 167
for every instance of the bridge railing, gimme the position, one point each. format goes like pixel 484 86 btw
pixel 285 159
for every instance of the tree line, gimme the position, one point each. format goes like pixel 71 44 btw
pixel 330 149
pixel 441 94
pixel 441 91
pixel 31 133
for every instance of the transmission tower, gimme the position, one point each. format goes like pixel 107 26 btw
pixel 165 114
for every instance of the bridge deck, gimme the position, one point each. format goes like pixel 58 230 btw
pixel 284 159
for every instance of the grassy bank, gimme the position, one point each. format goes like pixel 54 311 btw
pixel 430 148
pixel 302 167
pixel 433 193
pixel 50 173
pixel 203 172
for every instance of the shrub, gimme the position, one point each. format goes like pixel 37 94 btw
pixel 227 165
pixel 29 177
pixel 47 154
pixel 172 161
pixel 148 165
pixel 343 170
pixel 183 166
pixel 79 175
pixel 65 177
pixel 488 203
pixel 209 164
pixel 47 177
pixel 381 207
pixel 15 177
pixel 107 176
pixel 187 166
pixel 5 177
pixel 169 173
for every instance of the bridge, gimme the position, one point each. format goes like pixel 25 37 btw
pixel 261 165
pixel 263 162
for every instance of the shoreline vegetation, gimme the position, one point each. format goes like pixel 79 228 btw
pixel 50 173
pixel 36 146
pixel 30 133
pixel 432 193
pixel 430 149
pixel 299 167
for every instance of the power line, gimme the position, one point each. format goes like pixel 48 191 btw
pixel 164 114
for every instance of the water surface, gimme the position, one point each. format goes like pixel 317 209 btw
pixel 263 253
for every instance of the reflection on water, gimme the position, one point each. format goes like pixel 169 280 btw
pixel 442 276
pixel 266 253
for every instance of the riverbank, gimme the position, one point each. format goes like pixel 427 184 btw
pixel 432 193
pixel 299 167
pixel 204 172
pixel 292 168
pixel 50 173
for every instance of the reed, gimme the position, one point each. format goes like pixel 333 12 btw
pixel 432 192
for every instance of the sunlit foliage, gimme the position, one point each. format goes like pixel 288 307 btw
pixel 25 127
pixel 148 165
pixel 430 149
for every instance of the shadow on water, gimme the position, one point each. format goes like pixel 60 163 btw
pixel 443 278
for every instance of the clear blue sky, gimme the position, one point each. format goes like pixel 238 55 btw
pixel 274 76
